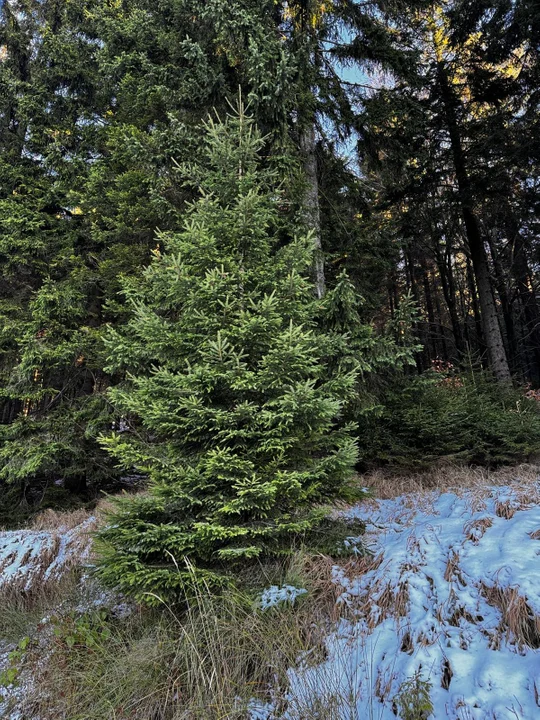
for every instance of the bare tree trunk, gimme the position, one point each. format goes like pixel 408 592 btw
pixel 432 278
pixel 490 319
pixel 473 293
pixel 420 328
pixel 449 292
pixel 525 287
pixel 311 207
pixel 10 410
pixel 506 304
pixel 432 325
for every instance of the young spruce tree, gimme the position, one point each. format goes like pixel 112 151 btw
pixel 233 395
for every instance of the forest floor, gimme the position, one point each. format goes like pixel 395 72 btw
pixel 441 619
pixel 445 612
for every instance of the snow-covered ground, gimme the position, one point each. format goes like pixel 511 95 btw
pixel 451 596
pixel 30 558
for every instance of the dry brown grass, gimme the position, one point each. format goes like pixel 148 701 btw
pixel 383 600
pixel 317 570
pixel 517 616
pixel 196 667
pixel 475 530
pixel 505 509
pixel 387 484
pixel 318 574
pixel 60 521
pixel 63 520
pixel 452 569
pixel 203 664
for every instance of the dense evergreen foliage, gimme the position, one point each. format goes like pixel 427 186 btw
pixel 384 226
pixel 459 418
pixel 238 394
pixel 98 100
pixel 452 143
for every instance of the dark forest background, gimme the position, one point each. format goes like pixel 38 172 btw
pixel 404 137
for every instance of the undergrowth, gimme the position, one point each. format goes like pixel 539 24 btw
pixel 204 662
pixel 442 416
pixel 208 659
pixel 21 612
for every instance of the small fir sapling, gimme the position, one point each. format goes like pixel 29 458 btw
pixel 236 394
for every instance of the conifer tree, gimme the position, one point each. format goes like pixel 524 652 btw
pixel 233 396
pixel 96 100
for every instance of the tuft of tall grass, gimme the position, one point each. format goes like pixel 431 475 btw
pixel 206 661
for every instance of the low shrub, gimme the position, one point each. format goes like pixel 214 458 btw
pixel 442 416
pixel 412 701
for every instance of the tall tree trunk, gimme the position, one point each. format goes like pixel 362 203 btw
pixel 490 320
pixel 311 207
pixel 523 276
pixel 506 305
pixel 473 293
pixel 449 292
pixel 420 328
pixel 440 325
pixel 393 293
pixel 10 410
pixel 432 326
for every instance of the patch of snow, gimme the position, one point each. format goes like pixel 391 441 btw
pixel 95 597
pixel 29 558
pixel 275 595
pixel 452 593
pixel 260 710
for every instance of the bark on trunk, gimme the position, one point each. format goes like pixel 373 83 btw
pixel 473 294
pixel 440 324
pixel 525 289
pixel 506 304
pixel 449 292
pixel 311 207
pixel 490 320
pixel 432 326
pixel 420 328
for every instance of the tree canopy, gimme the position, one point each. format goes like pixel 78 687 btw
pixel 246 299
